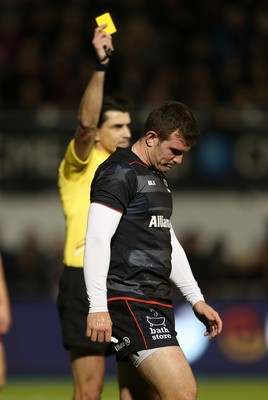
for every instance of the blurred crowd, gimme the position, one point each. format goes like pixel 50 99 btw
pixel 33 272
pixel 200 52
pixel 221 275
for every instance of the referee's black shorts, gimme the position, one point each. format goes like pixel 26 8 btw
pixel 141 325
pixel 73 307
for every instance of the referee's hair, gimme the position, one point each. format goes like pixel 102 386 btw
pixel 112 104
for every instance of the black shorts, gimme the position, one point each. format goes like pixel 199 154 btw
pixel 140 325
pixel 73 306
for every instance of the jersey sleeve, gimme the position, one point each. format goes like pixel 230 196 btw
pixel 98 253
pixel 72 166
pixel 114 185
pixel 181 273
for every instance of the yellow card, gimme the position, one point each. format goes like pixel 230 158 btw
pixel 106 19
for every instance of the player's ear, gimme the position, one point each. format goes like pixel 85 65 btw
pixel 151 138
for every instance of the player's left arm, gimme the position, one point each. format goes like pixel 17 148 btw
pixel 181 273
pixel 209 317
pixel 182 277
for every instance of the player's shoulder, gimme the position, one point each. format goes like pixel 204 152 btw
pixel 117 169
pixel 120 159
pixel 121 155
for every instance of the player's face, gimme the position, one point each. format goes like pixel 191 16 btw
pixel 169 152
pixel 114 132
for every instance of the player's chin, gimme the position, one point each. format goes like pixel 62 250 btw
pixel 166 168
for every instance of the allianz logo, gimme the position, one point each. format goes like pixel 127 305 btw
pixel 158 221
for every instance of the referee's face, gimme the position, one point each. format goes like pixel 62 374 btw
pixel 114 132
pixel 166 154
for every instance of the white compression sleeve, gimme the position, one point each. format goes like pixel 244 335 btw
pixel 181 273
pixel 101 226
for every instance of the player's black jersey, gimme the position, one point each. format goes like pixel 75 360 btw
pixel 140 249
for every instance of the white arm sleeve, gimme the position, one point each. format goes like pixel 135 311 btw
pixel 101 226
pixel 181 273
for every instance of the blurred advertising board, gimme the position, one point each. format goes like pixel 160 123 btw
pixel 34 347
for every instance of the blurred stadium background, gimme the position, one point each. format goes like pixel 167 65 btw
pixel 210 54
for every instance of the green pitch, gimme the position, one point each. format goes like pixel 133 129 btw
pixel 209 389
pixel 48 389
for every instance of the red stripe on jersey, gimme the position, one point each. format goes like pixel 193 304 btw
pixel 105 205
pixel 136 162
pixel 140 301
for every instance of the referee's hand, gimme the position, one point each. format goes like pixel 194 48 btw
pixel 99 327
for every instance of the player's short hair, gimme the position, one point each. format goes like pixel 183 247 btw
pixel 172 116
pixel 112 104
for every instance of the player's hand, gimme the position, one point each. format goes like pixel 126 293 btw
pixel 99 327
pixel 102 43
pixel 209 317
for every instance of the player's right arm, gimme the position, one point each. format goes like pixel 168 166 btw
pixel 91 102
pixel 101 226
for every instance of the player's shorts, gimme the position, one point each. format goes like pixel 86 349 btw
pixel 72 303
pixel 139 325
